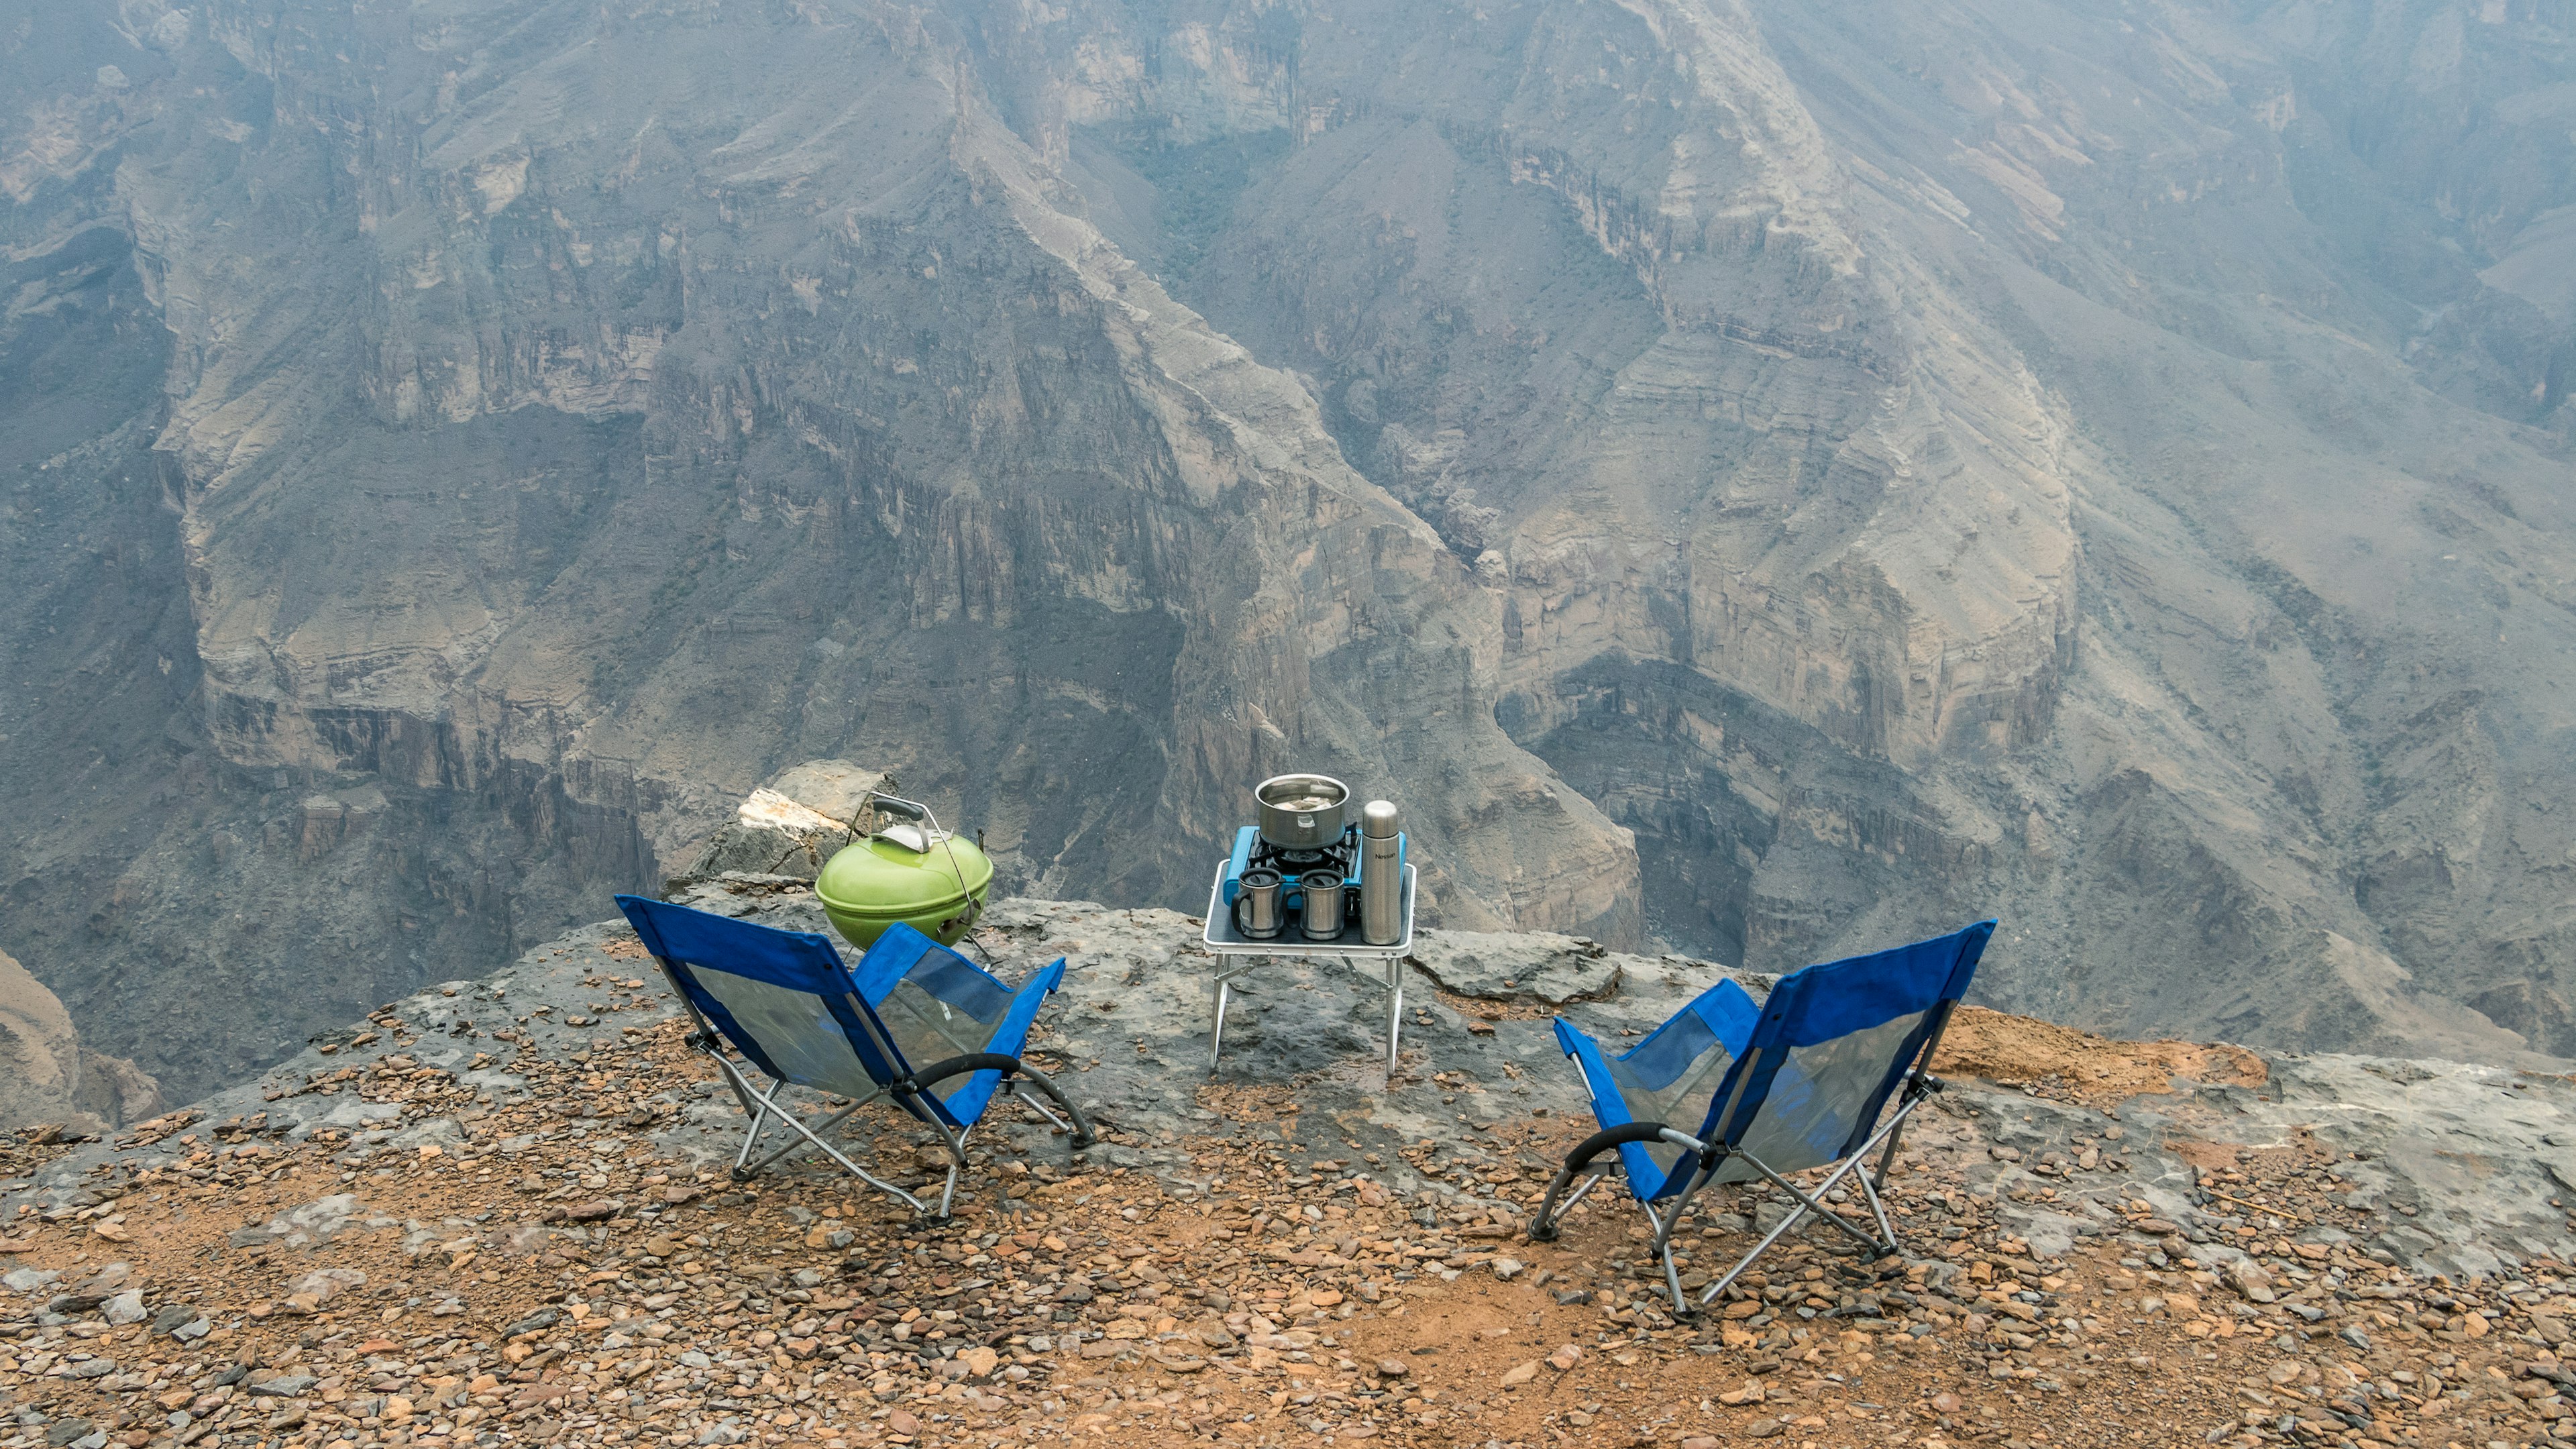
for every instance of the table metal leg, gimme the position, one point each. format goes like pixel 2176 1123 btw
pixel 1394 1010
pixel 1216 1028
pixel 1393 983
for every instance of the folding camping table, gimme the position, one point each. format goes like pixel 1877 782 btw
pixel 1227 942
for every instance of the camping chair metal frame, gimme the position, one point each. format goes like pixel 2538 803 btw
pixel 761 1107
pixel 907 1091
pixel 1918 1085
pixel 1551 1212
pixel 1914 1085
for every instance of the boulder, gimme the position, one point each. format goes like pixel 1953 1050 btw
pixel 793 824
pixel 1538 967
pixel 46 1075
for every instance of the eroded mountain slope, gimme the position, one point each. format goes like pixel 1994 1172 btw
pixel 1955 455
pixel 1902 463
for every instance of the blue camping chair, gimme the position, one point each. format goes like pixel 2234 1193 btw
pixel 913 1016
pixel 1796 1082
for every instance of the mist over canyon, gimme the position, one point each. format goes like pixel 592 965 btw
pixel 1755 482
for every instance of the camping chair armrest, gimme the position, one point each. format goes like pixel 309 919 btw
pixel 960 1066
pixel 1084 1134
pixel 1543 1228
pixel 1625 1133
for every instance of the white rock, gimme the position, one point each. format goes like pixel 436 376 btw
pixel 2248 1278
pixel 324 1283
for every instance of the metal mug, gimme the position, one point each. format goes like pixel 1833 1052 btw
pixel 1256 905
pixel 1323 914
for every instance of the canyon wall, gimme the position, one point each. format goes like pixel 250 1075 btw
pixel 1762 484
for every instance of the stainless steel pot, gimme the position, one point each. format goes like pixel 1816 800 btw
pixel 1301 812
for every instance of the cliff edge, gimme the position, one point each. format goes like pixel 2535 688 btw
pixel 497 1212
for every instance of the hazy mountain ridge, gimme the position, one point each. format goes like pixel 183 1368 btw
pixel 1902 463
pixel 2246 686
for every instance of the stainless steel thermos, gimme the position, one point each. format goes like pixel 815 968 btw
pixel 1381 873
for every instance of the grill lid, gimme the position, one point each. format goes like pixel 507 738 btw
pixel 903 870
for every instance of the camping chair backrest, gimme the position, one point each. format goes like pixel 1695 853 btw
pixel 1676 1075
pixel 931 1002
pixel 782 998
pixel 1796 1080
pixel 1833 1042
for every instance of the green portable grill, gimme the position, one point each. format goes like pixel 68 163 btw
pixel 910 871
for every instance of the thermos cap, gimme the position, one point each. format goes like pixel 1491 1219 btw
pixel 1380 819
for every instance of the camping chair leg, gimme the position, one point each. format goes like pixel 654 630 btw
pixel 1663 1226
pixel 1664 1235
pixel 861 1173
pixel 956 1164
pixel 1895 1139
pixel 1919 1084
pixel 1872 1183
pixel 1551 1213
pixel 750 1140
pixel 1709 1294
pixel 1673 1284
pixel 1814 1202
pixel 1804 1206
pixel 1878 1210
pixel 743 1174
pixel 768 1108
pixel 755 1105
pixel 1080 1127
pixel 1034 1105
pixel 1884 1244
pixel 704 1039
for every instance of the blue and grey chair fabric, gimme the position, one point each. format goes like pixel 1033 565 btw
pixel 914 1022
pixel 1730 1090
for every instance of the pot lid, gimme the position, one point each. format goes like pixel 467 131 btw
pixel 882 875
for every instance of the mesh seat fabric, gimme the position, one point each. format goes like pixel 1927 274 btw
pixel 936 1004
pixel 1837 1038
pixel 782 998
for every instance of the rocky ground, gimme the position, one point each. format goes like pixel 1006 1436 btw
pixel 496 1212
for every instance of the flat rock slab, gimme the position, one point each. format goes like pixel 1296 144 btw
pixel 795 823
pixel 1538 967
